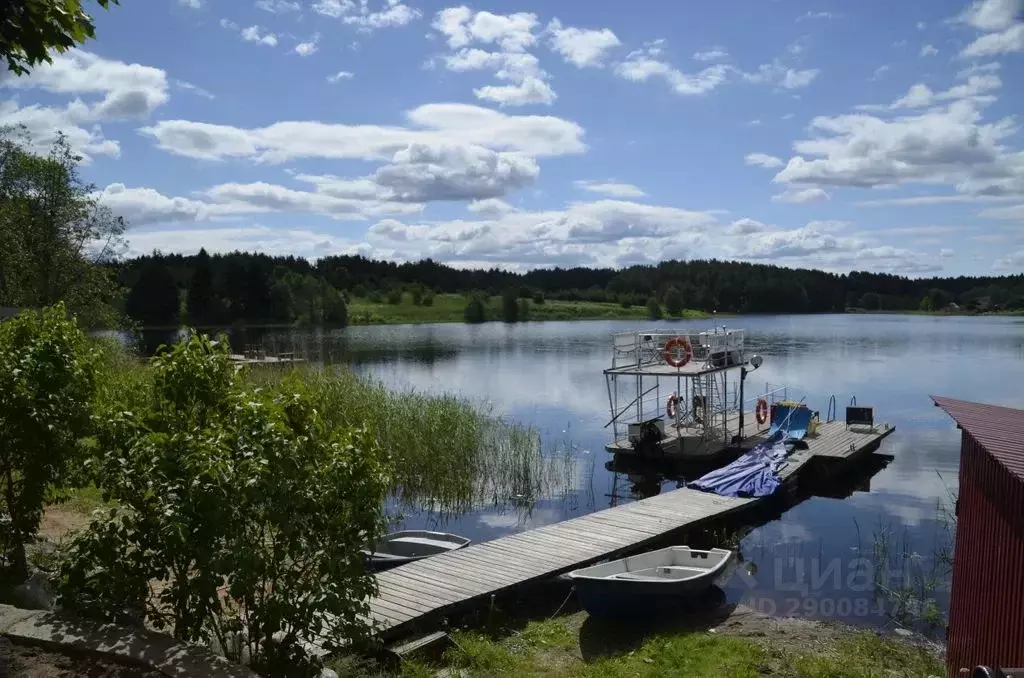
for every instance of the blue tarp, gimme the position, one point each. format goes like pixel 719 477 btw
pixel 755 473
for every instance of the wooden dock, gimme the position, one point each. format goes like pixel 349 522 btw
pixel 421 591
pixel 270 360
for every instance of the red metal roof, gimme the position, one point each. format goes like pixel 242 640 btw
pixel 1000 430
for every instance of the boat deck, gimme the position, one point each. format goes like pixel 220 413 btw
pixel 694 368
pixel 419 592
pixel 695 446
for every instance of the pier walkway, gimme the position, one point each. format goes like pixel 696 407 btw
pixel 440 584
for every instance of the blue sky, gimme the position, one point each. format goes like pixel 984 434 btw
pixel 847 136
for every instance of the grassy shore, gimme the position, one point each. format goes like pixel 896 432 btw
pixel 740 645
pixel 961 312
pixel 449 308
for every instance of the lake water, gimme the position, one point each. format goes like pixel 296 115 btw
pixel 819 558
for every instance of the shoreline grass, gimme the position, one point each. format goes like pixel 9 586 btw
pixel 450 308
pixel 960 313
pixel 450 455
pixel 571 646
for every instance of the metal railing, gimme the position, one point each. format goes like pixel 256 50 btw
pixel 646 348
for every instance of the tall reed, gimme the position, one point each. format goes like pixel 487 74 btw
pixel 450 456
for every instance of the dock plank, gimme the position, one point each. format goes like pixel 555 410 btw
pixel 428 587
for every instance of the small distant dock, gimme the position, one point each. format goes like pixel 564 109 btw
pixel 257 356
pixel 418 593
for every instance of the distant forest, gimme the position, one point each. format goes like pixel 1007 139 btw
pixel 203 289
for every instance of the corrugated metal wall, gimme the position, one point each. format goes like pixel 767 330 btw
pixel 986 617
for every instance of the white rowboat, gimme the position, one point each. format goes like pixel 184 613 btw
pixel 407 546
pixel 648 580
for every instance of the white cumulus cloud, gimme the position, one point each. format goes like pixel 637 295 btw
pixel 992 15
pixel 256 34
pixel 644 64
pixel 279 6
pixel 524 81
pixel 951 146
pixel 801 196
pixel 309 47
pixel 339 76
pixel 713 54
pixel 126 90
pixel 431 124
pixel 582 47
pixel 763 160
pixel 610 188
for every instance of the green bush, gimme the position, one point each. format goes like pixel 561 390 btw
pixel 674 301
pixel 523 311
pixel 245 506
pixel 510 305
pixel 476 309
pixel 653 309
pixel 394 296
pixel 47 382
pixel 428 298
pixel 538 298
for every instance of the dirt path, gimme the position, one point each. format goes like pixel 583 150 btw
pixel 25 661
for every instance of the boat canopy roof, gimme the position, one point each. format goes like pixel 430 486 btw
pixel 643 352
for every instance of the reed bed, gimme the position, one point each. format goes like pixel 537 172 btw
pixel 450 456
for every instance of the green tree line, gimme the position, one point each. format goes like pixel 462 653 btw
pixel 251 287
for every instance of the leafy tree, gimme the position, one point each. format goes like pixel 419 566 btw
pixel 245 503
pixel 29 29
pixel 538 298
pixel 359 291
pixel 476 309
pixel 428 298
pixel 47 381
pixel 939 299
pixel 523 311
pixel 282 298
pixel 335 308
pixel 626 301
pixel 416 292
pixel 1000 295
pixel 153 300
pixel 54 231
pixel 200 300
pixel 871 301
pixel 674 302
pixel 394 296
pixel 510 305
pixel 257 292
pixel 653 309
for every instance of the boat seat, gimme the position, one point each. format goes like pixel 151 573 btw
pixel 424 541
pixel 664 572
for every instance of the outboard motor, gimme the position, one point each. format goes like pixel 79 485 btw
pixel 646 443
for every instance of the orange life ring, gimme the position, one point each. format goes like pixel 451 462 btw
pixel 762 411
pixel 671 405
pixel 670 348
